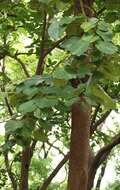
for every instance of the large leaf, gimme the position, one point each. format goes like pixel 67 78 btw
pixel 58 27
pixel 106 47
pixel 31 91
pixel 78 46
pixel 45 102
pixel 27 107
pixel 106 100
pixel 55 31
pixel 88 25
pixel 13 125
pixel 61 73
pixel 110 71
pixel 106 36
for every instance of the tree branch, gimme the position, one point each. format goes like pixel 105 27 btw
pixel 55 45
pixel 10 174
pixel 21 63
pixel 94 115
pixel 100 157
pixel 101 120
pixel 55 147
pixel 107 148
pixel 39 69
pixel 53 174
pixel 101 175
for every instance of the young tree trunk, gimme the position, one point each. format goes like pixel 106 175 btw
pixel 79 148
pixel 25 163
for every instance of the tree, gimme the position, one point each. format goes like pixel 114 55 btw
pixel 69 71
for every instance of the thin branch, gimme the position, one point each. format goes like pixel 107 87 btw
pixel 55 45
pixel 21 63
pixel 39 69
pixel 10 174
pixel 59 63
pixel 55 147
pixel 24 53
pixel 3 90
pixel 101 120
pixel 8 167
pixel 8 107
pixel 109 147
pixel 32 148
pixel 101 175
pixel 95 115
pixel 54 173
pixel 82 8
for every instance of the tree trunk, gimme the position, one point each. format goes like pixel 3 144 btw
pixel 25 163
pixel 79 148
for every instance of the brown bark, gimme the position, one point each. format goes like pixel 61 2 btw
pixel 27 154
pixel 79 148
pixel 25 163
pixel 80 129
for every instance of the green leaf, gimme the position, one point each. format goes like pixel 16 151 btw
pixel 106 100
pixel 58 27
pixel 45 102
pixel 106 47
pixel 59 82
pixel 39 135
pixel 35 80
pixel 13 125
pixel 45 1
pixel 112 16
pixel 113 4
pixel 55 31
pixel 31 91
pixel 71 101
pixel 27 107
pixel 61 73
pixel 78 46
pixel 106 36
pixel 84 69
pixel 86 26
pixel 103 26
pixel 110 71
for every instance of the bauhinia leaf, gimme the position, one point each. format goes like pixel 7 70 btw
pixel 13 125
pixel 106 47
pixel 106 100
pixel 88 25
pixel 78 46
